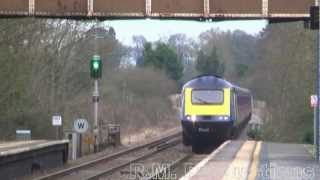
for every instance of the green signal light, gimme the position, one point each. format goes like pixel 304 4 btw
pixel 95 65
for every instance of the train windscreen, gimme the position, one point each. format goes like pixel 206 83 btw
pixel 207 96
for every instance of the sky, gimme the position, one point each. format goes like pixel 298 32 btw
pixel 153 30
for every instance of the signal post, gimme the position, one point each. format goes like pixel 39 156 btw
pixel 96 73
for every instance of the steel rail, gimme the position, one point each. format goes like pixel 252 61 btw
pixel 164 170
pixel 106 158
pixel 145 156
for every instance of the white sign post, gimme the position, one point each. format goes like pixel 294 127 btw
pixel 57 122
pixel 80 126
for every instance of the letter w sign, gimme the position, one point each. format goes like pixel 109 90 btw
pixel 80 125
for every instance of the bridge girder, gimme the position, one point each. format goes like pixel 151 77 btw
pixel 177 9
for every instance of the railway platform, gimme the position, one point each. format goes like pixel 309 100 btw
pixel 256 160
pixel 20 158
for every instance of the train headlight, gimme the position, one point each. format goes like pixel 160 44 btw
pixel 193 118
pixel 223 118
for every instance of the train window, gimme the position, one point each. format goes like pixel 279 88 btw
pixel 207 96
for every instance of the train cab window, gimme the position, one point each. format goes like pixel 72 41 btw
pixel 207 96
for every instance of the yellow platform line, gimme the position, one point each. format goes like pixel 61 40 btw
pixel 195 170
pixel 240 166
pixel 255 162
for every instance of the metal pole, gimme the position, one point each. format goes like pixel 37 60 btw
pixel 95 115
pixel 74 146
pixel 80 145
pixel 318 91
pixel 314 130
pixel 57 133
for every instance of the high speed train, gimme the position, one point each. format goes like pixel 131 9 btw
pixel 213 110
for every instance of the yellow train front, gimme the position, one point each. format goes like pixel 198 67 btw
pixel 213 110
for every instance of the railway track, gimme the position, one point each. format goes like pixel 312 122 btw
pixel 109 164
pixel 166 171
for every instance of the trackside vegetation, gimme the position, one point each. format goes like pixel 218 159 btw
pixel 45 71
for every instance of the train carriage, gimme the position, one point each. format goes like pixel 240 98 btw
pixel 213 109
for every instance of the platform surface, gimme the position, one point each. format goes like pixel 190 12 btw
pixel 15 147
pixel 287 161
pixel 241 160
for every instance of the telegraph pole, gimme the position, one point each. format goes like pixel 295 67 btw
pixel 96 73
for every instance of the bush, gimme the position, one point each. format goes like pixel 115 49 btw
pixel 138 98
pixel 254 133
pixel 308 137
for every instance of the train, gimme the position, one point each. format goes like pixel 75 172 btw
pixel 213 110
